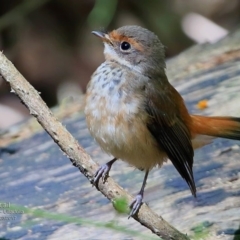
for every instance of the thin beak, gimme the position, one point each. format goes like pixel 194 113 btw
pixel 99 34
pixel 103 36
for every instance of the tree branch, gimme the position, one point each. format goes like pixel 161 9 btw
pixel 79 158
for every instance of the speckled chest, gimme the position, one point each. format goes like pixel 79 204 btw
pixel 106 83
pixel 113 102
pixel 113 90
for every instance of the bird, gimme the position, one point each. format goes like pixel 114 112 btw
pixel 136 115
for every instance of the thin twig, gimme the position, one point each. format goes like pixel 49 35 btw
pixel 79 158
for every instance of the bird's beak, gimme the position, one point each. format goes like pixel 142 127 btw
pixel 99 34
pixel 104 36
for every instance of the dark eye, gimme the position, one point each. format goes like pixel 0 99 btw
pixel 125 46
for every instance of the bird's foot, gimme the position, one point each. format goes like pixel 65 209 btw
pixel 136 204
pixel 103 172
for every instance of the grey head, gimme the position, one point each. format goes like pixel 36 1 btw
pixel 134 47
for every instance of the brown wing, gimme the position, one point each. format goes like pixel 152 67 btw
pixel 166 124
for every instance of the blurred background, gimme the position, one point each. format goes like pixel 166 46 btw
pixel 50 41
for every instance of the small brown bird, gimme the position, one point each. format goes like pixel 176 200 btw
pixel 136 115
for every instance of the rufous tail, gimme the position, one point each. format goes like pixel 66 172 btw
pixel 223 127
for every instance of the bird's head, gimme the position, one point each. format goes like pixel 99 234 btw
pixel 134 47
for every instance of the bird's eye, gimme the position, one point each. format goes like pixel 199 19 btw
pixel 125 46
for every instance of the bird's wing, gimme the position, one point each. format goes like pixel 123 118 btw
pixel 167 126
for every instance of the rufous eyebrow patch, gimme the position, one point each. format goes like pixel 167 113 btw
pixel 115 36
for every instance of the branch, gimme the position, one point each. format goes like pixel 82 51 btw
pixel 79 158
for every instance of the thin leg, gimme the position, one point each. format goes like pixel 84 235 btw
pixel 137 202
pixel 103 172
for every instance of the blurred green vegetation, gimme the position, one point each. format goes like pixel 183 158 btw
pixel 41 214
pixel 121 205
pixel 102 13
pixel 201 231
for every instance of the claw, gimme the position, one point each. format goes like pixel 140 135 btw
pixel 135 205
pixel 103 172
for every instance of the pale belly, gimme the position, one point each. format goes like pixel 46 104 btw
pixel 127 139
pixel 118 123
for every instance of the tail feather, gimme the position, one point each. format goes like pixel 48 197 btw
pixel 223 127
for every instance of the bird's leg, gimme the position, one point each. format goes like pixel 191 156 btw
pixel 137 202
pixel 103 172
